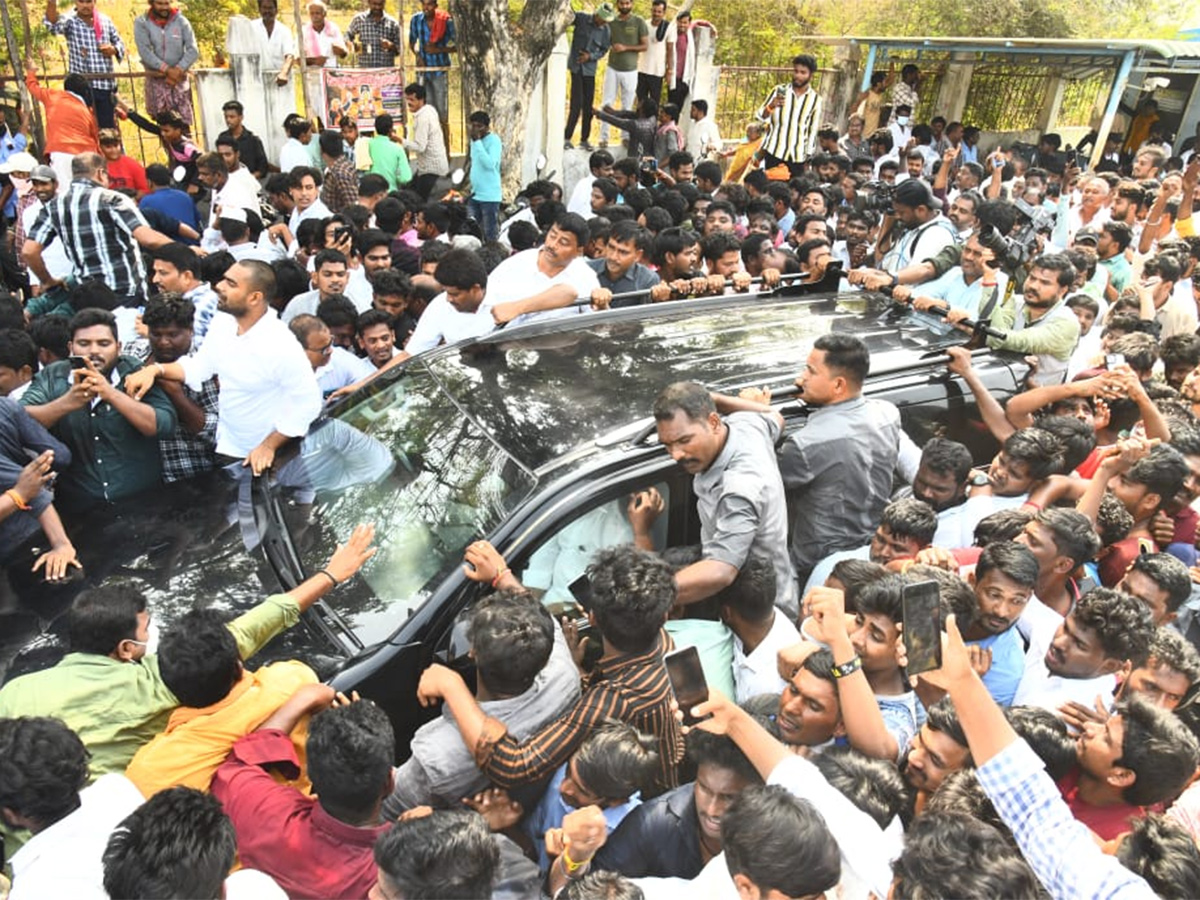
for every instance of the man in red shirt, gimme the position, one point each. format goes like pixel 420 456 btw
pixel 125 174
pixel 313 847
pixel 1141 756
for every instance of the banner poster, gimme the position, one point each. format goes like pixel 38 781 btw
pixel 364 94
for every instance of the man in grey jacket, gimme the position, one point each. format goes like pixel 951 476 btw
pixel 167 47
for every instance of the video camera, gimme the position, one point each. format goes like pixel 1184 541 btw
pixel 1013 251
pixel 877 195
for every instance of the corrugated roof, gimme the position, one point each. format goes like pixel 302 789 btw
pixel 1165 50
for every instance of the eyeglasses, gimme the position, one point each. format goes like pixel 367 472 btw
pixel 327 350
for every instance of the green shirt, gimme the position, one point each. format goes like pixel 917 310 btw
pixel 389 160
pixel 629 32
pixel 112 459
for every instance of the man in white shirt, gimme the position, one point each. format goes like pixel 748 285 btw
pixel 971 286
pixel 41 788
pixel 425 140
pixel 703 135
pixel 760 630
pixel 268 393
pixel 329 278
pixel 1105 634
pixel 601 165
pixel 237 190
pixel 277 46
pixel 544 282
pixel 927 232
pixel 657 61
pixel 295 153
pixel 305 188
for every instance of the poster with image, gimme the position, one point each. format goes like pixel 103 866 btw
pixel 363 94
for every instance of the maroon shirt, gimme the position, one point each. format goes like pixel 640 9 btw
pixel 286 834
pixel 1106 821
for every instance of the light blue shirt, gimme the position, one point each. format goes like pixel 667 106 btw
pixel 953 288
pixel 9 144
pixel 1008 664
pixel 485 169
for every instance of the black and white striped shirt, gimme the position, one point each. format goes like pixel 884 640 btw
pixel 96 228
pixel 792 129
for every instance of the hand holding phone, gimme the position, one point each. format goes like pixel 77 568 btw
pixel 922 607
pixel 687 681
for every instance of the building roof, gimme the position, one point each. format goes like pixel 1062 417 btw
pixel 1182 54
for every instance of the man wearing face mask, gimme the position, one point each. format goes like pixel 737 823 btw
pixel 904 94
pixel 16 167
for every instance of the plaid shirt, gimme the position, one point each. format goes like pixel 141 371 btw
pixel 184 454
pixel 83 50
pixel 96 228
pixel 341 184
pixel 1058 848
pixel 418 33
pixel 371 33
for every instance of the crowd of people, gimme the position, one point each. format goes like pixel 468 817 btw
pixel 157 328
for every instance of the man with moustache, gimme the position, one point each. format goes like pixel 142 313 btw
pixel 268 392
pixel 793 117
pixel 727 444
pixel 839 466
pixel 1042 325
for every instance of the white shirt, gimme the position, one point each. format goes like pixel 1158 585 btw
pixel 240 192
pixel 359 290
pixel 293 154
pixel 275 46
pixel 581 197
pixel 318 210
pixel 1038 624
pixel 952 532
pixel 702 136
pixel 653 60
pixel 442 322
pixel 267 382
pixel 343 368
pixel 757 673
pixel 65 860
pixel 1040 688
pixel 251 884
pixel 301 305
pixel 53 254
pixel 519 277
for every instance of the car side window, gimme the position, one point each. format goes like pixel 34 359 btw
pixel 564 555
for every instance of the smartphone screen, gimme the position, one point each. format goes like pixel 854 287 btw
pixel 687 680
pixel 922 627
pixel 77 362
pixel 581 590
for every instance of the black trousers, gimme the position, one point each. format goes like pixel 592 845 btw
pixel 105 104
pixel 678 95
pixel 583 98
pixel 649 86
pixel 795 168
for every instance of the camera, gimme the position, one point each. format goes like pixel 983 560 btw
pixel 1013 251
pixel 876 195
pixel 340 234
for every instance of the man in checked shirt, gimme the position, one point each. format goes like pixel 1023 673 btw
pixel 92 44
pixel 632 592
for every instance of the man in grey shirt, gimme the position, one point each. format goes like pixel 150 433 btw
pixel 728 444
pixel 525 678
pixel 840 464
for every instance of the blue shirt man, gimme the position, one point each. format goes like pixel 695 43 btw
pixel 1004 579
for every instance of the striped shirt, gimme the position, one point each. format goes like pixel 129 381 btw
pixel 632 688
pixel 83 49
pixel 96 228
pixel 792 129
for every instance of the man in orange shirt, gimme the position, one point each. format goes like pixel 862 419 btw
pixel 70 126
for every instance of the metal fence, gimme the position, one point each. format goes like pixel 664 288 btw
pixel 742 90
pixel 1004 97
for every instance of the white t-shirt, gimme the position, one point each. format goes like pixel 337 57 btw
pixel 442 322
pixel 53 255
pixel 757 673
pixel 519 277
pixel 318 210
pixel 267 382
pixel 581 197
pixel 65 860
pixel 703 135
pixel 653 61
pixel 293 154
pixel 343 368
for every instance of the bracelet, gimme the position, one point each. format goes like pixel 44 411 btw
pixel 570 865
pixel 499 574
pixel 848 668
pixel 16 498
pixel 327 574
pixel 1155 222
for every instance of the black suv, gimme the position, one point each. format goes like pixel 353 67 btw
pixel 532 438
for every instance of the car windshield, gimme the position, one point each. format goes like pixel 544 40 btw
pixel 407 459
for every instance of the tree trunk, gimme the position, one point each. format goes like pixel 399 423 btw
pixel 501 60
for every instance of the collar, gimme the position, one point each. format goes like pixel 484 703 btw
pixel 843 406
pixel 344 833
pixel 606 668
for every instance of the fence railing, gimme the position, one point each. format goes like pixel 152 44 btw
pixel 742 90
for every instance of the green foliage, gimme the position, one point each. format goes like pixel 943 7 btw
pixel 210 19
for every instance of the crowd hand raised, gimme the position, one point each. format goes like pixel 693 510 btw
pixel 1076 715
pixel 644 508
pixel 499 810
pixel 789 659
pixel 35 476
pixel 351 556
pixel 483 562
pixel 1126 453
pixel 956 659
pixel 827 607
pixel 1162 528
pixel 715 714
pixel 576 644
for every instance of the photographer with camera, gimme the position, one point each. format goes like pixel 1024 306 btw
pixel 971 290
pixel 919 231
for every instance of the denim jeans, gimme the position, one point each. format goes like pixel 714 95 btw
pixel 486 213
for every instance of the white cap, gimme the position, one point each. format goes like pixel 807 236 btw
pixel 232 213
pixel 18 162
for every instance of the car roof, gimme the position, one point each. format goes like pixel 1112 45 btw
pixel 547 390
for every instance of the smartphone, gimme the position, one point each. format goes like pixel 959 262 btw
pixel 780 92
pixel 687 681
pixel 922 626
pixel 77 363
pixel 652 164
pixel 581 590
pixel 1112 360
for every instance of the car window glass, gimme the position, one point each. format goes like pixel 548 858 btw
pixel 408 460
